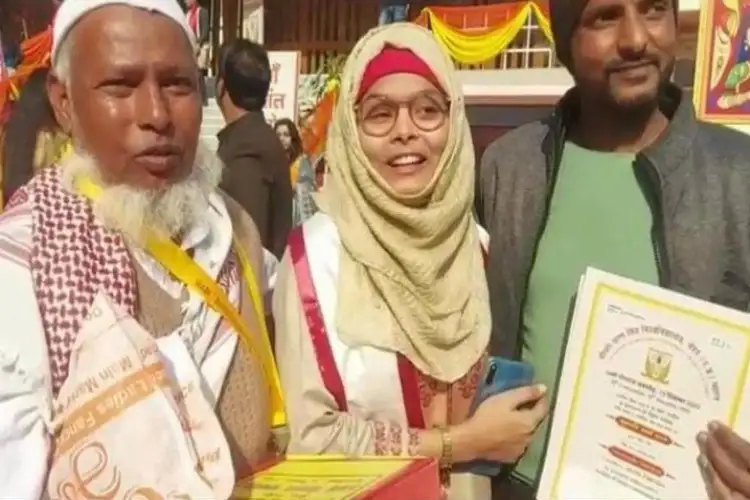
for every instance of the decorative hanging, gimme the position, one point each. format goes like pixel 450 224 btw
pixel 503 23
pixel 35 54
pixel 314 130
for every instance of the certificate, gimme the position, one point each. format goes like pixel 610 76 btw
pixel 645 369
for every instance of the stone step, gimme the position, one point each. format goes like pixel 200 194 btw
pixel 213 122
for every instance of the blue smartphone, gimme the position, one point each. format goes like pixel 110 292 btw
pixel 502 375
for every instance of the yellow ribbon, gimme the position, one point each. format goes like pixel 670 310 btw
pixel 468 48
pixel 65 151
pixel 542 22
pixel 15 93
pixel 294 171
pixel 179 263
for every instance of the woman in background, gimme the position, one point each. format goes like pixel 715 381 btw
pixel 381 303
pixel 301 172
pixel 199 22
pixel 31 139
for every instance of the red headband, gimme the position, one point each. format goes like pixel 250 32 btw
pixel 392 60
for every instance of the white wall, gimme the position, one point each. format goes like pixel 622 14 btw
pixel 690 4
pixel 252 20
pixel 516 82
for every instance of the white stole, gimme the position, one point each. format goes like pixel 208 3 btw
pixel 370 376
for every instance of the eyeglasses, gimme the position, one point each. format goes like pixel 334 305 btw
pixel 378 115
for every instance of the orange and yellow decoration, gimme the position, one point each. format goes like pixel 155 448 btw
pixel 315 127
pixel 474 35
pixel 36 54
pixel 471 35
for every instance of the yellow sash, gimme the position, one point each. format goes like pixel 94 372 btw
pixel 179 263
pixel 294 171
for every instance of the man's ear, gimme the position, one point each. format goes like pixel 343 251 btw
pixel 219 89
pixel 59 99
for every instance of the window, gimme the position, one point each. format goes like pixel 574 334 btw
pixel 530 49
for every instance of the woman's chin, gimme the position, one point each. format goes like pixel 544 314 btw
pixel 409 185
pixel 408 180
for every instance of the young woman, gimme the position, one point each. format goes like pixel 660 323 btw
pixel 31 138
pixel 381 302
pixel 301 171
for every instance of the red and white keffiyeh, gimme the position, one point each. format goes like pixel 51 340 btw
pixel 73 257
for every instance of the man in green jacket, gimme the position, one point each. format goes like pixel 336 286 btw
pixel 621 177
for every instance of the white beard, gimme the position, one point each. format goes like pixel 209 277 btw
pixel 169 211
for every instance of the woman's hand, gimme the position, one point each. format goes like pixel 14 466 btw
pixel 502 426
pixel 724 463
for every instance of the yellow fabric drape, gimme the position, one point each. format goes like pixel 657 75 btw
pixel 543 22
pixel 475 49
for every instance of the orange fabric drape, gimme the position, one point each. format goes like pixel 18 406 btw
pixel 36 54
pixel 315 129
pixel 478 19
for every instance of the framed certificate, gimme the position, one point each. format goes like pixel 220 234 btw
pixel 645 370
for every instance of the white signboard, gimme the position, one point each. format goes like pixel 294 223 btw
pixel 282 96
pixel 252 22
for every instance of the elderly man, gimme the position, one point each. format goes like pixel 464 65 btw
pixel 125 88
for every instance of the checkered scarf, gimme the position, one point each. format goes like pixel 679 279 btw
pixel 73 257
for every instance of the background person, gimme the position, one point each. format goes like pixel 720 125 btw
pixel 199 22
pixel 257 168
pixel 301 171
pixel 393 11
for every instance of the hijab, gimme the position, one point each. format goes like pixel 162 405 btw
pixel 411 273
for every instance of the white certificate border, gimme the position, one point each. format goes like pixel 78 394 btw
pixel 577 353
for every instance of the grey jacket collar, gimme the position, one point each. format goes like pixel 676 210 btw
pixel 666 154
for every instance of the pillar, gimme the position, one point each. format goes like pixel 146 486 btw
pixel 230 18
pixel 252 20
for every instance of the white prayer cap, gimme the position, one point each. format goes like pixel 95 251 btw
pixel 71 11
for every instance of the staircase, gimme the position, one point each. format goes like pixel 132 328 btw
pixel 212 123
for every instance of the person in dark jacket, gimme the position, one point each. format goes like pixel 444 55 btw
pixel 626 180
pixel 393 11
pixel 257 173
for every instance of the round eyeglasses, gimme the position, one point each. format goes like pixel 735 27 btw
pixel 377 115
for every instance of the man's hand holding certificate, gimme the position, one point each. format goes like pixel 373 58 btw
pixel 725 463
pixel 645 372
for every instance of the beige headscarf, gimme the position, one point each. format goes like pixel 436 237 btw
pixel 411 267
